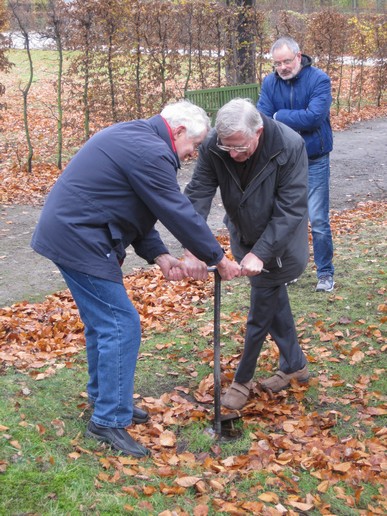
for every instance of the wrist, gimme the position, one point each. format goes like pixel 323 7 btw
pixel 222 262
pixel 160 257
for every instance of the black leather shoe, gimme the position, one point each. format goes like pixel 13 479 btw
pixel 118 438
pixel 139 416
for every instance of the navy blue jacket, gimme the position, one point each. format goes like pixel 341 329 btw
pixel 110 196
pixel 302 103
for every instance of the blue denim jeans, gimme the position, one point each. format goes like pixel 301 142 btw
pixel 318 206
pixel 113 335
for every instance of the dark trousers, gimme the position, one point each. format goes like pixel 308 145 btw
pixel 270 313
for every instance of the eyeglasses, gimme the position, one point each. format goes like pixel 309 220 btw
pixel 238 148
pixel 286 62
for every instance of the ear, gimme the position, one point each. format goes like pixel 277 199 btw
pixel 179 131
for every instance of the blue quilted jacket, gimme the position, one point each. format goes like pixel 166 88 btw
pixel 110 196
pixel 302 103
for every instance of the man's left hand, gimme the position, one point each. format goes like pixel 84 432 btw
pixel 251 265
pixel 172 268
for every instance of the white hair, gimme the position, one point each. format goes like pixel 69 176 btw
pixel 238 116
pixel 190 116
pixel 285 41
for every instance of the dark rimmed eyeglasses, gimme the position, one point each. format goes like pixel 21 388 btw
pixel 286 62
pixel 237 148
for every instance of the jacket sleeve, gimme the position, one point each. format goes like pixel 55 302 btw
pixel 318 101
pixel 203 185
pixel 154 181
pixel 289 208
pixel 150 246
pixel 265 104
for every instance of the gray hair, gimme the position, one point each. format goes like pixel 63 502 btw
pixel 184 113
pixel 238 116
pixel 286 41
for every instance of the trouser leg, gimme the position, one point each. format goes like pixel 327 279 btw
pixel 318 208
pixel 283 332
pixel 262 306
pixel 91 337
pixel 270 313
pixel 113 322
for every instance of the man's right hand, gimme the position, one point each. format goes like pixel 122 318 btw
pixel 228 269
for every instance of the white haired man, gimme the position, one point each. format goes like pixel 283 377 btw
pixel 109 197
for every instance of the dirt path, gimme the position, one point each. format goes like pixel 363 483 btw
pixel 358 173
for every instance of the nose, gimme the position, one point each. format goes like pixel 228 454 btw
pixel 233 153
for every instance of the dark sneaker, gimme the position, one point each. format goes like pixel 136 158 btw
pixel 139 416
pixel 118 438
pixel 325 284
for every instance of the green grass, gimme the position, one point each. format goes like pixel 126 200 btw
pixel 45 64
pixel 46 418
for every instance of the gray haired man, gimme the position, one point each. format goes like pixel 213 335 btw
pixel 261 169
pixel 299 95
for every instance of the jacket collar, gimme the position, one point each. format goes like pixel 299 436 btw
pixel 161 127
pixel 306 61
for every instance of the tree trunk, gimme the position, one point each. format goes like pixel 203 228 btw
pixel 59 107
pixel 111 79
pixel 22 16
pixel 25 93
pixel 243 46
pixel 55 20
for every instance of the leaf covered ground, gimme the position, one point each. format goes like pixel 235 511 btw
pixel 319 449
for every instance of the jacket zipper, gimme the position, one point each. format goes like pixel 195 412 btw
pixel 278 258
pixel 228 170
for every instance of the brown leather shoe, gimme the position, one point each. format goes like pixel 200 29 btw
pixel 236 395
pixel 281 380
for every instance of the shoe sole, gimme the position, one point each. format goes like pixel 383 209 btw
pixel 230 407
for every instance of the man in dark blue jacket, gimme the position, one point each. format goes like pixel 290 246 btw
pixel 299 95
pixel 109 197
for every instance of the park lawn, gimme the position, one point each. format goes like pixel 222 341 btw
pixel 312 450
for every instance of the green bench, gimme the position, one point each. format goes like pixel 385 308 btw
pixel 214 98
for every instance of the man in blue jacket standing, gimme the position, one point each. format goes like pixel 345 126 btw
pixel 299 95
pixel 109 197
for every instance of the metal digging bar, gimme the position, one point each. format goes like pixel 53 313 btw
pixel 223 425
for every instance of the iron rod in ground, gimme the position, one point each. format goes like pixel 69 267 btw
pixel 217 382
